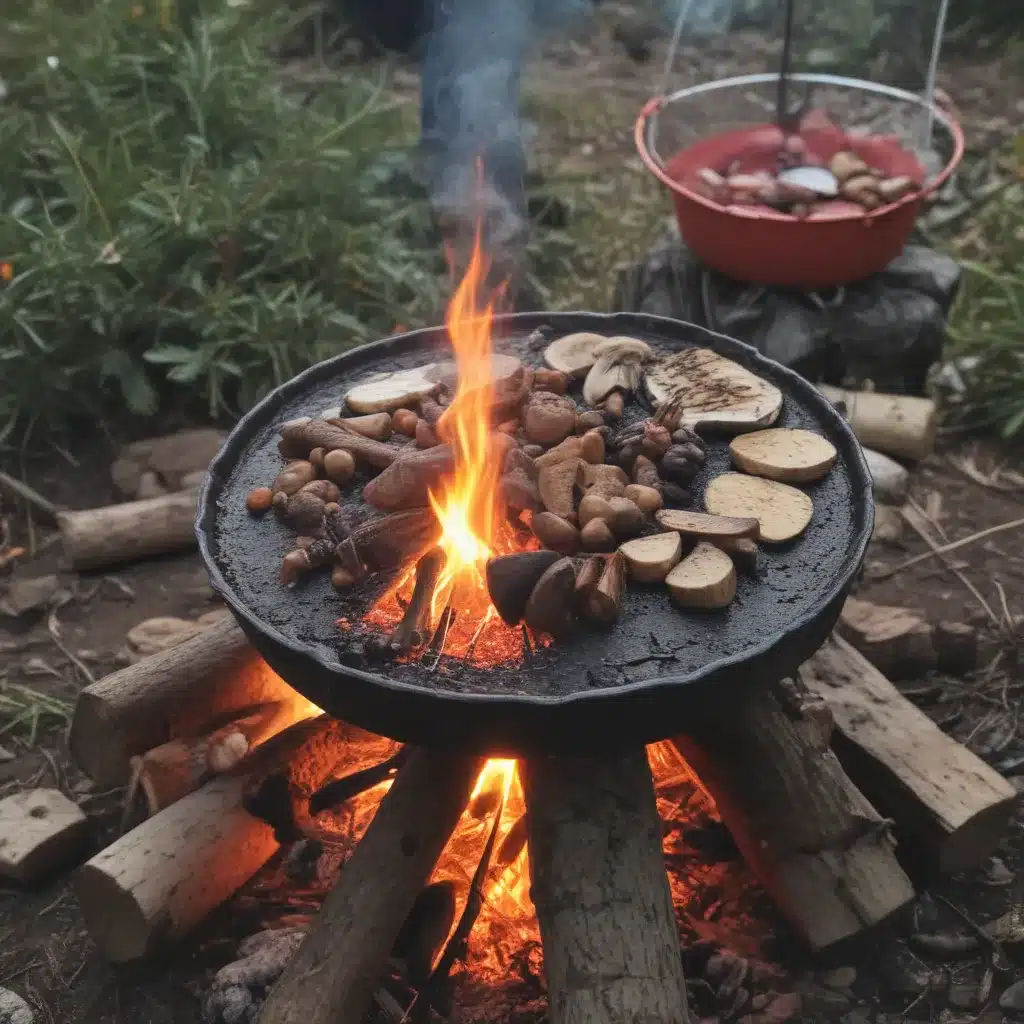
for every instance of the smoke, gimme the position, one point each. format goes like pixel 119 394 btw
pixel 472 68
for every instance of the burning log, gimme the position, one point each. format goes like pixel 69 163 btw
pixel 951 809
pixel 408 480
pixel 178 691
pixel 333 975
pixel 414 629
pixel 179 767
pixel 99 537
pixel 300 438
pixel 386 544
pixel 598 881
pixel 821 851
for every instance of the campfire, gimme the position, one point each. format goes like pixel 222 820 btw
pixel 468 506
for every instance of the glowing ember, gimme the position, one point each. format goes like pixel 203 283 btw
pixel 473 526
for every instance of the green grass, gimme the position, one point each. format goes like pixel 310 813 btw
pixel 177 224
pixel 987 324
pixel 24 711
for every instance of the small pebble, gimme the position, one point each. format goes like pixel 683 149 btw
pixel 997 873
pixel 1013 997
pixel 840 978
pixel 782 1008
pixel 14 1009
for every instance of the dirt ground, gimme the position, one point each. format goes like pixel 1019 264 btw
pixel 583 97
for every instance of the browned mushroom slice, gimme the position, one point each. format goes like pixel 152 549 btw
pixel 790 456
pixel 705 578
pixel 782 511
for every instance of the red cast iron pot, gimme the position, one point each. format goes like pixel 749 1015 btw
pixel 841 243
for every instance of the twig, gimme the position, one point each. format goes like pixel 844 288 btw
pixel 946 548
pixel 19 489
pixel 53 628
pixel 338 791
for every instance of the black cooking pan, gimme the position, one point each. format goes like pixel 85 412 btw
pixel 638 682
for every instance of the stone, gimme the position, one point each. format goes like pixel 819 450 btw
pixel 890 480
pixel 963 996
pixel 14 1009
pixel 782 1008
pixel 170 463
pixel 159 634
pixel 1013 998
pixel 840 978
pixel 29 595
pixel 6 755
pixel 149 486
pixel 888 525
pixel 41 831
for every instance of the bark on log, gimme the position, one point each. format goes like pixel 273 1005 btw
pixel 951 809
pixel 179 767
pixel 99 537
pixel 821 851
pixel 611 947
pixel 898 425
pixel 332 976
pixel 178 692
pixel 160 880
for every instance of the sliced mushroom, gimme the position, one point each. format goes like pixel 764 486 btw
pixel 651 559
pixel 792 456
pixel 782 511
pixel 712 391
pixel 550 607
pixel 511 579
pixel 391 391
pixel 705 578
pixel 574 354
pixel 700 524
pixel 618 368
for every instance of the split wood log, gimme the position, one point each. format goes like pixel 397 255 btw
pixel 157 882
pixel 898 425
pixel 951 809
pixel 408 481
pixel 336 969
pixel 161 879
pixel 598 881
pixel 177 692
pixel 902 645
pixel 821 851
pixel 179 767
pixel 98 537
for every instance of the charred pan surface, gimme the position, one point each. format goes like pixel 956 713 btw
pixel 635 683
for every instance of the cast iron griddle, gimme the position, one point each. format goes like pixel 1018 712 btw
pixel 638 682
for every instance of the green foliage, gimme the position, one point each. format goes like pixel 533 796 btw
pixel 176 223
pixel 988 321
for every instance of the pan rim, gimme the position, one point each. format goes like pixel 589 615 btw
pixel 667 329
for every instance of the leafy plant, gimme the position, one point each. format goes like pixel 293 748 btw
pixel 176 222
pixel 988 320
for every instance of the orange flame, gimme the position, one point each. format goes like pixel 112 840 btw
pixel 468 505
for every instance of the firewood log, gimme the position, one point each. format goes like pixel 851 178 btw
pixel 333 975
pixel 597 875
pixel 950 808
pixel 177 692
pixel 176 768
pixel 897 425
pixel 99 537
pixel 821 851
pixel 157 882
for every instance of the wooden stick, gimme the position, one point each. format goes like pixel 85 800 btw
pixel 47 511
pixel 897 425
pixel 99 537
pixel 159 881
pixel 611 948
pixel 951 809
pixel 333 975
pixel 179 767
pixel 820 850
pixel 179 691
pixel 414 629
